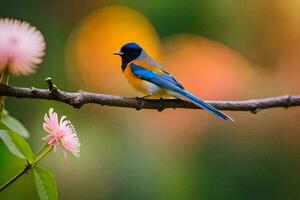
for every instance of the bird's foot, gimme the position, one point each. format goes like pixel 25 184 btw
pixel 145 97
pixel 161 105
pixel 139 103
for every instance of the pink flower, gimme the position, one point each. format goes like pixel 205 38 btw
pixel 21 47
pixel 62 132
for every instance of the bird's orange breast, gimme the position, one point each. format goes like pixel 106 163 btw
pixel 134 81
pixel 137 83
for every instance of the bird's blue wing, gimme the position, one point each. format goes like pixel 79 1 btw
pixel 168 82
pixel 165 81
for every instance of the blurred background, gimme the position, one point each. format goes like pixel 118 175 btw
pixel 219 50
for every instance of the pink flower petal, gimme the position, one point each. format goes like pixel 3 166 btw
pixel 61 133
pixel 21 47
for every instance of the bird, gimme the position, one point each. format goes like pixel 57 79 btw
pixel 151 79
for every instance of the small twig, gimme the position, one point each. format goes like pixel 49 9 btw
pixel 51 86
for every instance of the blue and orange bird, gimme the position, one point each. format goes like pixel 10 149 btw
pixel 149 78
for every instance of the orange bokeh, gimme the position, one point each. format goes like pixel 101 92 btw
pixel 208 68
pixel 101 33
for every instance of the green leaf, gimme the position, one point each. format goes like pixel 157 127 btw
pixel 17 145
pixel 10 145
pixel 15 125
pixel 45 183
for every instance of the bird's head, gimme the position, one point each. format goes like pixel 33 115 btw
pixel 128 53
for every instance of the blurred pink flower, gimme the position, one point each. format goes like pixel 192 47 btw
pixel 62 132
pixel 21 47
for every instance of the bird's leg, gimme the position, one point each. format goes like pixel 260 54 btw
pixel 140 102
pixel 161 105
pixel 179 99
pixel 144 97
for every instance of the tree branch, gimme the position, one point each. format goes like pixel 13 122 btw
pixel 80 98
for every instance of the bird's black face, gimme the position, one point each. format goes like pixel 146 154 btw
pixel 128 53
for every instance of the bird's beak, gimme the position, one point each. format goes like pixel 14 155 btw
pixel 120 53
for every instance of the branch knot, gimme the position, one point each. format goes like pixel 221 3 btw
pixel 52 88
pixel 288 101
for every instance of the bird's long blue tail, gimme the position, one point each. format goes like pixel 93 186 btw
pixel 205 106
